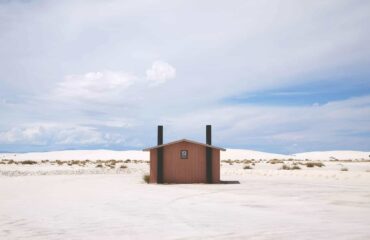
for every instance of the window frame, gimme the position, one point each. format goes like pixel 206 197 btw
pixel 187 154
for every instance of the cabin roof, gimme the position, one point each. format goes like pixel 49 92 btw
pixel 184 140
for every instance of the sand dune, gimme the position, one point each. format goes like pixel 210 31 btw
pixel 322 155
pixel 78 155
pixel 332 155
pixel 250 154
pixel 136 154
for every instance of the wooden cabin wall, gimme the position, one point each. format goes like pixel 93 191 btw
pixel 191 170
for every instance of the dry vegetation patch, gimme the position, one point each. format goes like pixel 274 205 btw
pixel 123 167
pixel 290 167
pixel 275 161
pixel 229 161
pixel 11 161
pixel 237 161
pixel 146 178
pixel 247 167
pixel 28 162
pixel 314 164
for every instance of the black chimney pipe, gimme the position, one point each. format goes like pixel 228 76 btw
pixel 209 134
pixel 209 153
pixel 160 135
pixel 160 155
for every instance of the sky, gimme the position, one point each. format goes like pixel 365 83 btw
pixel 277 76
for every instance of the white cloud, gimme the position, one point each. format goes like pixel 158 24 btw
pixel 78 135
pixel 57 134
pixel 308 127
pixel 275 128
pixel 99 86
pixel 160 72
pixel 16 135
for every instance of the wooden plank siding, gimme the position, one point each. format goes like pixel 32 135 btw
pixel 153 166
pixel 190 170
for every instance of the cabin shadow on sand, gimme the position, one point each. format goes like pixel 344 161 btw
pixel 229 182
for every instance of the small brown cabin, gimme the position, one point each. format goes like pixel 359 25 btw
pixel 184 161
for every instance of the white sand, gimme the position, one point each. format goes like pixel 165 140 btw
pixel 140 155
pixel 311 203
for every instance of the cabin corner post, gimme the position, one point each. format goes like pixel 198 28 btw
pixel 160 165
pixel 209 154
pixel 160 155
pixel 209 164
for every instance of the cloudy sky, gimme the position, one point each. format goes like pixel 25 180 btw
pixel 278 76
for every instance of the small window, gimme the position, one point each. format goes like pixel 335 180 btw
pixel 184 154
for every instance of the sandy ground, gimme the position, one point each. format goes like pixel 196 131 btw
pixel 85 202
